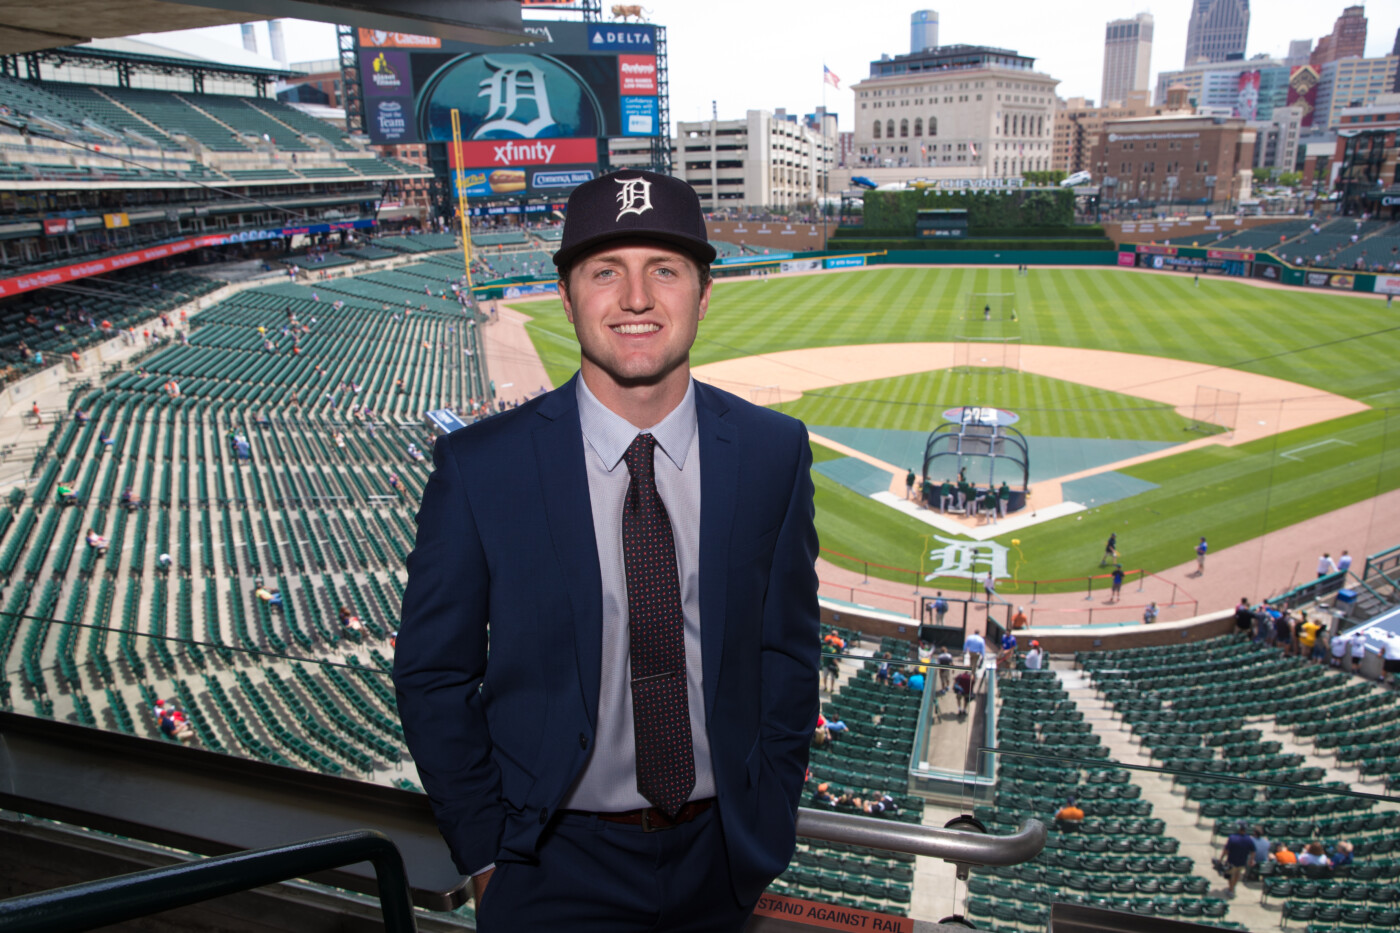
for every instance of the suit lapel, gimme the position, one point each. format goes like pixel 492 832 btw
pixel 559 450
pixel 719 471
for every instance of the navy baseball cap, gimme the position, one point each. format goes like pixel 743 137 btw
pixel 634 204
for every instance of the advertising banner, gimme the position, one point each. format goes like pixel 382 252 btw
pixel 1302 91
pixel 740 260
pixel 1388 284
pixel 534 288
pixel 487 182
pixel 1243 255
pixel 1317 279
pixel 1156 250
pixel 573 81
pixel 507 153
pixel 800 265
pixel 1272 273
pixel 844 262
pixel 1127 259
pixel 58 225
pixel 113 221
pixel 1342 281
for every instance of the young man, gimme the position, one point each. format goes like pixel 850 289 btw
pixel 1201 550
pixel 632 753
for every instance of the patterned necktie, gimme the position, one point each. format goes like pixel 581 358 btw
pixel 656 626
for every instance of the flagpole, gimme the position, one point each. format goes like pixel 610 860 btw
pixel 821 125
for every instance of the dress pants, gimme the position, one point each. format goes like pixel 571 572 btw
pixel 594 876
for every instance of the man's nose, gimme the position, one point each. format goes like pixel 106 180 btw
pixel 636 293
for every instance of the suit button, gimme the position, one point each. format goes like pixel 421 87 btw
pixel 583 741
pixel 544 815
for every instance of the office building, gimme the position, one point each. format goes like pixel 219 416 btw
pixel 969 110
pixel 1348 38
pixel 1175 159
pixel 1217 30
pixel 1249 89
pixel 1078 125
pixel 923 30
pixel 1276 145
pixel 1351 82
pixel 1299 53
pixel 1127 57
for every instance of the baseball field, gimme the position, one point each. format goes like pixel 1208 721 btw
pixel 1318 428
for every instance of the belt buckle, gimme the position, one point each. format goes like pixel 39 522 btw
pixel 649 827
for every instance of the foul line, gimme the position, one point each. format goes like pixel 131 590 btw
pixel 1287 454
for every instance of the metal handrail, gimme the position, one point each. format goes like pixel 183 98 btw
pixel 959 846
pixel 113 900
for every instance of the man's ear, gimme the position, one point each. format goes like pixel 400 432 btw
pixel 564 298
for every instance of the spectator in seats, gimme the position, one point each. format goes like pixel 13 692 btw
pixel 96 542
pixel 414 453
pixel 1149 615
pixel 1283 855
pixel 1069 817
pixel 1390 651
pixel 1344 855
pixel 975 647
pixel 822 796
pixel 1035 658
pixel 38 415
pixel 349 620
pixel 898 678
pixel 1261 846
pixel 1341 649
pixel 1238 855
pixel 180 730
pixel 393 639
pixel 1308 642
pixel 882 673
pixel 1019 620
pixel 164 561
pixel 944 660
pixel 1358 652
pixel 130 500
pixel 831 669
pixel 271 597
pixel 80 416
pixel 1006 658
pixel 916 680
pixel 66 495
pixel 836 726
pixel 1283 632
pixel 1314 854
pixel 962 689
pixel 1244 616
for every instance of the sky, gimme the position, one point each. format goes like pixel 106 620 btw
pixel 740 56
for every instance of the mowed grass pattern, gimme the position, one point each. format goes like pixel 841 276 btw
pixel 1339 343
pixel 1047 407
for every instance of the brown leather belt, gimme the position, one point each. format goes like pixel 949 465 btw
pixel 651 819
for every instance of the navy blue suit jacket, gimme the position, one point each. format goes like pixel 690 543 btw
pixel 506 549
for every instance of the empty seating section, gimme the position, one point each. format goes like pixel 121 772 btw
pixel 269 466
pixel 1208 707
pixel 1119 857
pixel 1264 236
pixel 177 118
pixel 530 262
pixel 871 758
pixel 303 123
pixel 247 120
pixel 422 243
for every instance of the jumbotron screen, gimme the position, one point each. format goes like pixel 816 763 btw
pixel 531 115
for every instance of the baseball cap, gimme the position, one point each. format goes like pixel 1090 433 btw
pixel 634 204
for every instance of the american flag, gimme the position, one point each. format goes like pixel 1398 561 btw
pixel 829 77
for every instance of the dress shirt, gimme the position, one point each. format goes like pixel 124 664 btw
pixel 608 783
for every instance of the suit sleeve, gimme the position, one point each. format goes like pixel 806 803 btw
pixel 791 646
pixel 439 664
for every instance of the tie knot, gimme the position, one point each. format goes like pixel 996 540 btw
pixel 639 455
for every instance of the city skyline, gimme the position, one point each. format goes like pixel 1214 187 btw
pixel 760 57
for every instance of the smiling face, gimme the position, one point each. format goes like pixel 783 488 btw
pixel 636 307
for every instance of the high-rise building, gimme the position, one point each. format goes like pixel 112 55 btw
pixel 274 39
pixel 1248 89
pixel 1217 30
pixel 1348 38
pixel 1127 57
pixel 1351 82
pixel 1078 124
pixel 250 38
pixel 923 31
pixel 1299 53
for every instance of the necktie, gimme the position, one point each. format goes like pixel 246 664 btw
pixel 656 629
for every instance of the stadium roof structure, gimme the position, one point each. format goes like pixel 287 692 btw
pixel 94 56
pixel 54 23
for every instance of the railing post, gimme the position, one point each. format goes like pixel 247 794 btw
pixel 1142 576
pixel 867 572
pixel 1088 587
pixel 1173 602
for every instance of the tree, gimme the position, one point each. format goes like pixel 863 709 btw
pixel 1262 175
pixel 1290 179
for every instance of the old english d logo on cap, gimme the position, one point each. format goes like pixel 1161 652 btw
pixel 634 204
pixel 635 196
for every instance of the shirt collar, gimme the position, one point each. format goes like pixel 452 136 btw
pixel 610 434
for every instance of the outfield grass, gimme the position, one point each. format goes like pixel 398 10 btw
pixel 1336 342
